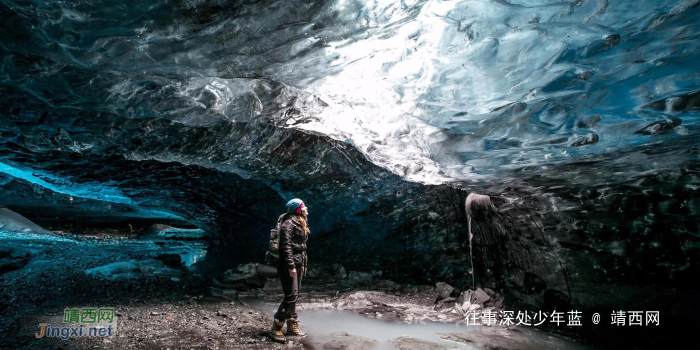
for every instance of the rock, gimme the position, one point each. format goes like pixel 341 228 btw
pixel 337 271
pixel 333 272
pixel 410 288
pixel 256 292
pixel 348 342
pixel 496 303
pixel 424 289
pixel 448 300
pixel 407 288
pixel 172 260
pixel 408 343
pixel 384 284
pixel 480 297
pixel 12 258
pixel 465 297
pixel 533 283
pixel 556 300
pixel 248 276
pixel 336 344
pixel 444 290
pixel 273 285
pixel 357 276
pixel 474 307
pixel 489 291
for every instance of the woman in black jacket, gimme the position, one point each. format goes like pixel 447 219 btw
pixel 293 234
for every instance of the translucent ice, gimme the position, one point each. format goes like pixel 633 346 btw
pixel 13 222
pixel 434 91
pixel 133 270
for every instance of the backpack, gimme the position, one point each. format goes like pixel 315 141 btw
pixel 273 253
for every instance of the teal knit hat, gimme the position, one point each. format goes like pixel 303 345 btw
pixel 295 205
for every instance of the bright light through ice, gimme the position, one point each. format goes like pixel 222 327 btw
pixel 373 100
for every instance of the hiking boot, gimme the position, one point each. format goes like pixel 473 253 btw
pixel 276 332
pixel 293 328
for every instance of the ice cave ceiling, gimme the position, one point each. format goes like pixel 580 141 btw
pixel 579 117
pixel 434 91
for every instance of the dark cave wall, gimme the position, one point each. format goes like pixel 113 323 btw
pixel 606 245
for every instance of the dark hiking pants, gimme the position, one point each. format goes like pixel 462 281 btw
pixel 290 286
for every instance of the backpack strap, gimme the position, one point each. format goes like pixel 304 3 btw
pixel 280 220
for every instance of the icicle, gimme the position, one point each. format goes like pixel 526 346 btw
pixel 474 204
pixel 471 255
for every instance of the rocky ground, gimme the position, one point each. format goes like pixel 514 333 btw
pixel 152 312
pixel 183 309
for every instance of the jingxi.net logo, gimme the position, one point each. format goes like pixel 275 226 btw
pixel 83 322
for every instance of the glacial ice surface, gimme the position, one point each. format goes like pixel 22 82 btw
pixel 434 91
pixel 12 222
pixel 125 270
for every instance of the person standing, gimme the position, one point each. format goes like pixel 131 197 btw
pixel 293 233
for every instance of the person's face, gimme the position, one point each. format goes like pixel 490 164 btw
pixel 305 211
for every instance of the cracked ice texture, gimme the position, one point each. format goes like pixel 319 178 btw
pixel 434 91
pixel 465 89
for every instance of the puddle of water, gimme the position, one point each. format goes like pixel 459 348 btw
pixel 319 324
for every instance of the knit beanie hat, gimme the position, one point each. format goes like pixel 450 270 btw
pixel 295 205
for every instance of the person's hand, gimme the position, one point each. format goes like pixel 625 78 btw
pixel 293 272
pixel 303 271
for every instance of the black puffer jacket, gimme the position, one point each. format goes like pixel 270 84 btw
pixel 292 242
